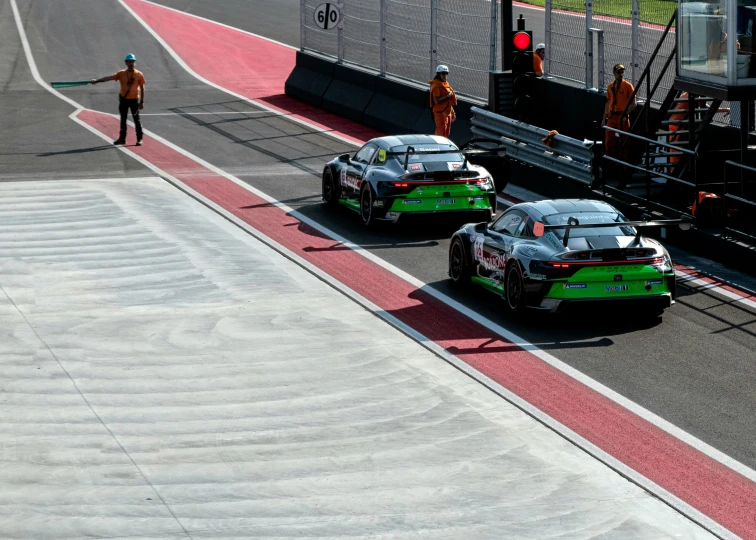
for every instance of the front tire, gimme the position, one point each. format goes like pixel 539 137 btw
pixel 514 288
pixel 366 205
pixel 459 270
pixel 330 190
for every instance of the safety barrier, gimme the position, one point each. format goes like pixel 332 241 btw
pixel 567 157
pixel 390 105
pixel 739 208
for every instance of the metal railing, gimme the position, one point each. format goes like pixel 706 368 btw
pixel 745 221
pixel 567 157
pixel 650 172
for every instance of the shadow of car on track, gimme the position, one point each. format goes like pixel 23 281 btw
pixel 545 330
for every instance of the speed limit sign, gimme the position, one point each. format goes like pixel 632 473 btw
pixel 327 16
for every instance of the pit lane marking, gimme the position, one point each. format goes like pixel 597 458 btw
pixel 628 405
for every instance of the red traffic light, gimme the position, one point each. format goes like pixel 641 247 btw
pixel 521 41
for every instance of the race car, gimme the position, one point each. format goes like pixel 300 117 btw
pixel 548 255
pixel 391 178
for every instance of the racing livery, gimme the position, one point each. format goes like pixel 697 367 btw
pixel 549 254
pixel 392 177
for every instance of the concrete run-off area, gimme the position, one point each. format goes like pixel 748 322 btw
pixel 163 374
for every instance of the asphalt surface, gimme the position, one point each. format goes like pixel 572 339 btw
pixel 696 368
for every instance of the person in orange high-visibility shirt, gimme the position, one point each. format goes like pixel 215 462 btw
pixel 130 96
pixel 618 95
pixel 538 56
pixel 442 101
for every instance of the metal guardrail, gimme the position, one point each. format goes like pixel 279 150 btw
pixel 649 169
pixel 726 219
pixel 568 157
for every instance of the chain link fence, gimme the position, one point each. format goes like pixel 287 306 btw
pixel 408 38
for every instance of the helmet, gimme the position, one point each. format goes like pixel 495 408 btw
pixel 442 69
pixel 540 46
pixel 130 57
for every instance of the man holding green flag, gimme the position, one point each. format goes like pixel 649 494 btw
pixel 130 97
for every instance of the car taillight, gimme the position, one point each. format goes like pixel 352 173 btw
pixel 558 265
pixel 658 260
pixel 400 184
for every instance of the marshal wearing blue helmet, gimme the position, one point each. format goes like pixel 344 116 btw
pixel 130 97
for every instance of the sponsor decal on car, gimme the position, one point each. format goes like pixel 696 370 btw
pixel 489 261
pixel 655 282
pixel 446 201
pixel 381 156
pixel 617 277
pixel 412 201
pixel 477 198
pixel 538 276
pixel 416 167
pixel 454 166
pixel 617 288
pixel 575 285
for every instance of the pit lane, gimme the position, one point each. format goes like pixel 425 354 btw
pixel 695 369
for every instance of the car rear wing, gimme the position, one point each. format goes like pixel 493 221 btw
pixel 410 151
pixel 539 229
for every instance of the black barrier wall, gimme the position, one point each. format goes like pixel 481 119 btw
pixel 396 107
pixel 387 105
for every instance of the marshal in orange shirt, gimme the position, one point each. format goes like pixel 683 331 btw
pixel 130 82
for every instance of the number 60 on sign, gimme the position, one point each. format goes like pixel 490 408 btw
pixel 327 16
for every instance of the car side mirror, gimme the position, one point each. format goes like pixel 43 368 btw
pixel 481 228
pixel 686 226
pixel 344 157
pixel 538 229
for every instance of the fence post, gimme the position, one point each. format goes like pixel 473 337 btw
pixel 340 35
pixel 601 81
pixel 588 44
pixel 433 36
pixel 634 29
pixel 494 29
pixel 302 23
pixel 383 22
pixel 547 62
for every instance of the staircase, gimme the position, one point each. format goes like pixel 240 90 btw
pixel 673 126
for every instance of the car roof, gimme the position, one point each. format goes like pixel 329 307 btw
pixel 390 141
pixel 565 206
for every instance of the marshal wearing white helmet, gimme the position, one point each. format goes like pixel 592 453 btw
pixel 538 56
pixel 442 101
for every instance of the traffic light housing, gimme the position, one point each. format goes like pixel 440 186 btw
pixel 522 73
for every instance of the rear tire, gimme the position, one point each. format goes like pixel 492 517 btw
pixel 366 205
pixel 330 190
pixel 514 288
pixel 459 270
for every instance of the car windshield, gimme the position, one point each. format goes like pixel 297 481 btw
pixel 435 152
pixel 585 218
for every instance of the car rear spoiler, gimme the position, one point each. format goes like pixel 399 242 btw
pixel 539 229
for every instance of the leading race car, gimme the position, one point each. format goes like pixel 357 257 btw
pixel 393 177
pixel 549 254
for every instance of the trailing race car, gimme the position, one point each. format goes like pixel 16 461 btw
pixel 393 177
pixel 549 254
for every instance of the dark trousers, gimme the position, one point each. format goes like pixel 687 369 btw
pixel 124 105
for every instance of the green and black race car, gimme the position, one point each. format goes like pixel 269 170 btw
pixel 550 254
pixel 394 177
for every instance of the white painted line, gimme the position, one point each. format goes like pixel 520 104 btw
pixel 609 460
pixel 494 327
pixel 670 499
pixel 226 113
pixel 221 24
pixel 716 287
pixel 189 70
pixel 30 58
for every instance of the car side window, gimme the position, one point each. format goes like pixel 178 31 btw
pixel 509 222
pixel 525 229
pixel 365 153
